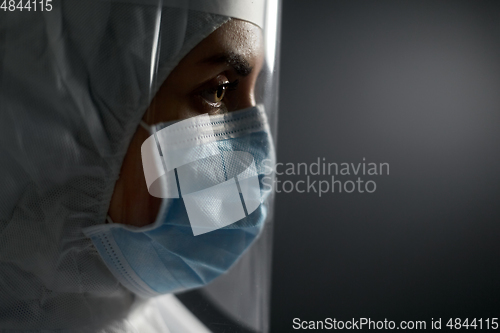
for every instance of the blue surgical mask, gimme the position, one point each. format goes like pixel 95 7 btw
pixel 211 210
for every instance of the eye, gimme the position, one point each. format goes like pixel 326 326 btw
pixel 216 91
pixel 215 95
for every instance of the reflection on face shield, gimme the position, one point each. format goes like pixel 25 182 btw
pixel 212 165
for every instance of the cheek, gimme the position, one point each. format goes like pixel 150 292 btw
pixel 167 106
pixel 131 203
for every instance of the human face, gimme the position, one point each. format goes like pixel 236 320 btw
pixel 216 76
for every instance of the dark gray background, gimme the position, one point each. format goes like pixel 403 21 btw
pixel 415 84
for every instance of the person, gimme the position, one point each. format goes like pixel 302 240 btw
pixel 86 244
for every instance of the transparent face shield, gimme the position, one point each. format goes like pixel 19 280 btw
pixel 240 299
pixel 207 148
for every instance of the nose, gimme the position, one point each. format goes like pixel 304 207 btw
pixel 245 97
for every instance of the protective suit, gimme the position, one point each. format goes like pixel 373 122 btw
pixel 75 82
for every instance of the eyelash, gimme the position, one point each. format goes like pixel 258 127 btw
pixel 230 86
pixel 213 100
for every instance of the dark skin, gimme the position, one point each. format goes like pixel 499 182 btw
pixel 216 76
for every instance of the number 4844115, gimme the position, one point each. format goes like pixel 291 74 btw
pixel 26 5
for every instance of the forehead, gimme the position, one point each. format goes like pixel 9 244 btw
pixel 238 36
pixel 234 37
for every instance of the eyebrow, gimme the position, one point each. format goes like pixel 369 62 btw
pixel 235 60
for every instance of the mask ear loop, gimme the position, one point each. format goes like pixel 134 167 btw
pixel 109 220
pixel 146 127
pixel 165 204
